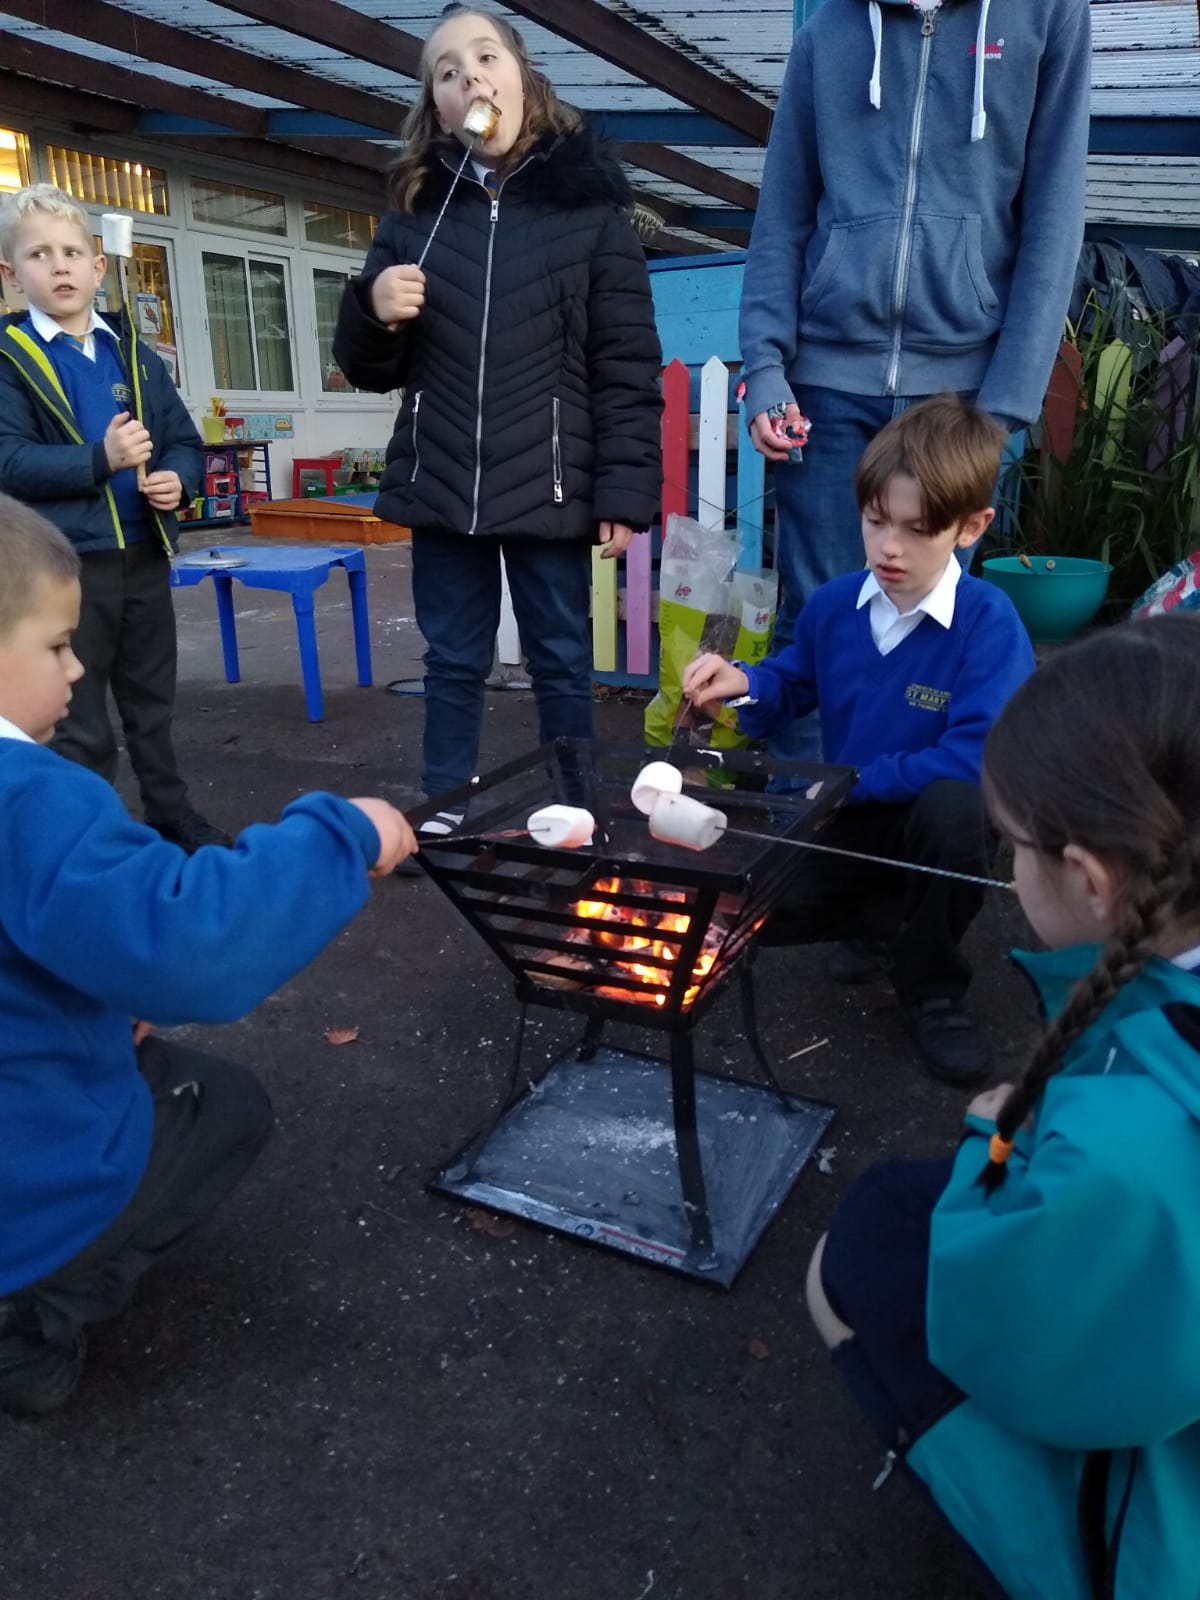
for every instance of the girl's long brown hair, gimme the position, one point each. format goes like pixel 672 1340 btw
pixel 1101 748
pixel 424 141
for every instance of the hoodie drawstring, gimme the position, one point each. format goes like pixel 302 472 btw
pixel 978 113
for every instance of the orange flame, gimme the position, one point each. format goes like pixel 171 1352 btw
pixel 617 933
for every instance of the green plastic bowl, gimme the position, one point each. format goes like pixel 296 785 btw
pixel 1055 596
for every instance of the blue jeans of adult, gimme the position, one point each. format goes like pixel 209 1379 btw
pixel 818 529
pixel 457 592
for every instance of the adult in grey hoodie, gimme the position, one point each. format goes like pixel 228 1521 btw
pixel 918 230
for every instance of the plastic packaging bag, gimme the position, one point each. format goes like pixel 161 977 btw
pixel 1177 590
pixel 705 605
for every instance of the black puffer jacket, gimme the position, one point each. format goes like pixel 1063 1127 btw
pixel 532 402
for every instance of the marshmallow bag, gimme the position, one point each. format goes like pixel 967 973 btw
pixel 704 604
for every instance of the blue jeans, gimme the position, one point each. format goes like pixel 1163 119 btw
pixel 456 591
pixel 818 529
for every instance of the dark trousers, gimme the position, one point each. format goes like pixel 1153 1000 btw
pixel 126 642
pixel 456 591
pixel 923 918
pixel 211 1119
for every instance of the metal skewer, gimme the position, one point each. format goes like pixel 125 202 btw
pixel 859 855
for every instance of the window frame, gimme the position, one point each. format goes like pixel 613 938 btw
pixel 233 249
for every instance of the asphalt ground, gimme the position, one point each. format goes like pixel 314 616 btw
pixel 349 1386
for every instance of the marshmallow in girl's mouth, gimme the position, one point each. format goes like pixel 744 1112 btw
pixel 562 827
pixel 678 819
pixel 657 778
pixel 481 119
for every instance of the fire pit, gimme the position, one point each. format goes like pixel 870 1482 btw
pixel 637 1152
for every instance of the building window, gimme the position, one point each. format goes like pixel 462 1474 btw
pixel 14 160
pixel 108 181
pixel 238 210
pixel 248 324
pixel 332 225
pixel 327 292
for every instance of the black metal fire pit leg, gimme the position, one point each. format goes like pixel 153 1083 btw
pixel 687 1150
pixel 461 1168
pixel 750 1025
pixel 590 1042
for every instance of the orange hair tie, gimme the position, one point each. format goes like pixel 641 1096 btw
pixel 999 1150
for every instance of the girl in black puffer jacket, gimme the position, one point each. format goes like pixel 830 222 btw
pixel 526 348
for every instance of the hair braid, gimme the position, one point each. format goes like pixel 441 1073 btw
pixel 1151 900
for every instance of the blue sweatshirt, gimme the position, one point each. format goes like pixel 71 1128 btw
pixel 1065 1306
pixel 931 242
pixel 919 713
pixel 101 921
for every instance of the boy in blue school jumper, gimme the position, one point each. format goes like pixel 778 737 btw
pixel 114 1145
pixel 83 407
pixel 910 665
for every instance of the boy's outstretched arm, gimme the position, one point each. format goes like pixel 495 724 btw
pixel 129 920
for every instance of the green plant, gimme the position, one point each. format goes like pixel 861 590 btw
pixel 1112 471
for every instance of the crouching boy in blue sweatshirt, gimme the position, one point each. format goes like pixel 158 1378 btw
pixel 910 666
pixel 114 1145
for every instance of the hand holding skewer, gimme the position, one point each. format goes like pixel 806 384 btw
pixel 398 294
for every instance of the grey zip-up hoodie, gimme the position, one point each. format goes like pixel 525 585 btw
pixel 922 203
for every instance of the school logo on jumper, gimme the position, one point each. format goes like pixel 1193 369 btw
pixel 991 52
pixel 122 394
pixel 924 698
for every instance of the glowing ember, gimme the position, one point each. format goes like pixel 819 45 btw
pixel 631 930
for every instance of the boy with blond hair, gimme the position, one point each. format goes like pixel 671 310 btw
pixel 115 1145
pixel 909 664
pixel 84 406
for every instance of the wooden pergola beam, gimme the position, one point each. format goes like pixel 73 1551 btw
pixel 135 35
pixel 593 27
pixel 680 215
pixel 74 70
pixel 668 163
pixel 88 114
pixel 80 112
pixel 329 22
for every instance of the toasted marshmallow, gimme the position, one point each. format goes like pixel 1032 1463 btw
pixel 481 119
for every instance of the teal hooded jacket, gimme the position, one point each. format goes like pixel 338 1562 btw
pixel 1066 1305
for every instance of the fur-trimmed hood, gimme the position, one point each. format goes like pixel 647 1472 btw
pixel 565 170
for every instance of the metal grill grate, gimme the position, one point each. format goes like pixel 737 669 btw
pixel 628 927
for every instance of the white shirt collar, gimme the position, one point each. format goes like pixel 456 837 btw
pixel 938 603
pixel 9 730
pixel 48 330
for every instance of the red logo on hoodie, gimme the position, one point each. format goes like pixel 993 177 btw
pixel 991 52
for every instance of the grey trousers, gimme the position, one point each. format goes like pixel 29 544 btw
pixel 211 1119
pixel 126 641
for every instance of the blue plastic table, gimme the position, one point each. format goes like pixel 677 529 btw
pixel 298 570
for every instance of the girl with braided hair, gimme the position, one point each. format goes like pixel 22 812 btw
pixel 1020 1324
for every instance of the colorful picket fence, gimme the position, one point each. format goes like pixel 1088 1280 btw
pixel 696 482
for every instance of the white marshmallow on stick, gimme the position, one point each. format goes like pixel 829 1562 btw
pixel 116 235
pixel 655 779
pixel 678 819
pixel 116 240
pixel 562 827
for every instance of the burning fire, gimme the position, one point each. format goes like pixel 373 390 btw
pixel 661 935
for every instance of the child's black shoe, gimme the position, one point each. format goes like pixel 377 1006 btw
pixel 438 826
pixel 857 960
pixel 35 1377
pixel 954 1048
pixel 191 832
